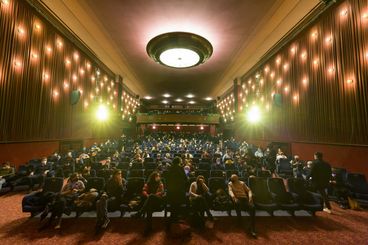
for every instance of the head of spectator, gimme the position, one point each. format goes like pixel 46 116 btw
pixel 318 156
pixel 176 161
pixel 234 178
pixel 43 161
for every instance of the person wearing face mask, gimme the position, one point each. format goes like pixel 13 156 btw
pixel 242 199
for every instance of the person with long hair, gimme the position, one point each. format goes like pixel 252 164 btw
pixel 199 194
pixel 153 192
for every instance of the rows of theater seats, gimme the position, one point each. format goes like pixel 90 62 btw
pixel 270 194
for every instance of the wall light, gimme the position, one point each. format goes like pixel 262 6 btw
pixel 21 30
pixel 5 2
pixel 304 55
pixel 37 26
pixel 344 12
pixel 328 40
pixel 34 55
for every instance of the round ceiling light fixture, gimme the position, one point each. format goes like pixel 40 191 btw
pixel 179 49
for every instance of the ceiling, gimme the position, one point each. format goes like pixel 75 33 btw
pixel 121 29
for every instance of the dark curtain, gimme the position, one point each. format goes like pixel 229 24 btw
pixel 323 82
pixel 39 68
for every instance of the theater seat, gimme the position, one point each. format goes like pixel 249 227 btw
pixel 262 197
pixel 35 202
pixel 283 168
pixel 359 187
pixel 97 183
pixel 283 198
pixel 134 191
pixel 215 184
pixel 307 200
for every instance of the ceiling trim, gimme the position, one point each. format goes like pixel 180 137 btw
pixel 273 28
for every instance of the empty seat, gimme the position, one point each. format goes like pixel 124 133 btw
pixel 261 196
pixel 307 200
pixel 204 173
pixel 359 187
pixel 283 168
pixel 217 185
pixel 36 202
pixel 97 183
pixel 283 198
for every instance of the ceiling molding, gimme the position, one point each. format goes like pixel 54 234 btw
pixel 270 31
pixel 79 18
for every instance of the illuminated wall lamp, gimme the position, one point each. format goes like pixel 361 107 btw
pixel 350 81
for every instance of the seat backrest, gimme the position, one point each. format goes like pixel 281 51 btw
pixel 216 183
pixel 339 175
pixel 231 172
pixel 260 189
pixel 136 173
pixel 53 184
pixel 358 182
pixel 148 159
pixel 205 173
pixel 276 185
pixel 134 186
pixel 204 166
pixel 284 164
pixel 123 165
pixel 297 185
pixel 217 173
pixel 150 165
pixel 97 183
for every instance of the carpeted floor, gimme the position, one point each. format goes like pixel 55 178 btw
pixel 342 227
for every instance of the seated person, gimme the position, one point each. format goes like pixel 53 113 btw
pixel 307 169
pixel 39 173
pixel 227 156
pixel 62 202
pixel 6 171
pixel 242 198
pixel 153 192
pixel 280 155
pixel 258 153
pixel 137 162
pixel 111 200
pixel 68 164
pixel 205 155
pixel 199 195
pixel 297 166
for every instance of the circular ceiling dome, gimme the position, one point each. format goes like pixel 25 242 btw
pixel 179 49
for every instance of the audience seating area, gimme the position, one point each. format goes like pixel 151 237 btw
pixel 272 191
